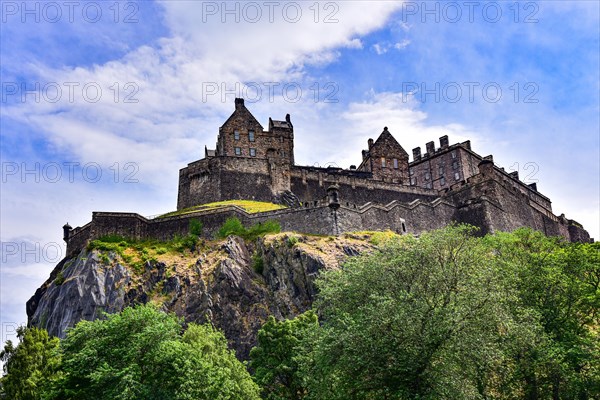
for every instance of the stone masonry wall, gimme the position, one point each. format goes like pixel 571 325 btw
pixel 317 219
pixel 311 183
pixel 497 204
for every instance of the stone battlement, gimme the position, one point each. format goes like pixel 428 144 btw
pixel 450 183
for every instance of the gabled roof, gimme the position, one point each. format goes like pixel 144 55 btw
pixel 242 111
pixel 386 138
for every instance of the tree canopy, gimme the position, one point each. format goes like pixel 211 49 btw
pixel 447 315
pixel 30 366
pixel 140 353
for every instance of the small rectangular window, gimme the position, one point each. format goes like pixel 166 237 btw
pixel 238 151
pixel 413 181
pixel 382 162
pixel 236 134
pixel 427 176
pixel 442 181
pixel 456 176
pixel 251 136
pixel 428 185
pixel 441 170
pixel 455 165
pixel 395 163
pixel 252 152
pixel 453 154
pixel 411 171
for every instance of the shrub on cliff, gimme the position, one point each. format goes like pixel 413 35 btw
pixel 233 226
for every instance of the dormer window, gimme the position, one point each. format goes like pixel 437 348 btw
pixel 251 136
pixel 236 134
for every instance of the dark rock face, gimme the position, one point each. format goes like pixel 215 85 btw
pixel 219 285
pixel 81 289
pixel 288 199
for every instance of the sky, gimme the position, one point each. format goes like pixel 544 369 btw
pixel 104 101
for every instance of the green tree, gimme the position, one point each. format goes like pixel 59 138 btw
pixel 31 366
pixel 200 366
pixel 275 359
pixel 420 318
pixel 141 353
pixel 559 282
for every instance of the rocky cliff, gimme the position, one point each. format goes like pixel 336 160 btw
pixel 234 284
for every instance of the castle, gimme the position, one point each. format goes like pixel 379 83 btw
pixel 449 183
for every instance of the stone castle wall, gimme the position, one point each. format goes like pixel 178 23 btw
pixel 498 209
pixel 224 178
pixel 445 184
pixel 311 218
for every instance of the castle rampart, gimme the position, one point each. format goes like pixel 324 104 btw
pixel 447 184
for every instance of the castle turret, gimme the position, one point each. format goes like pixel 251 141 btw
pixel 67 232
pixel 333 196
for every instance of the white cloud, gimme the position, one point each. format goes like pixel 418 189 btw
pixel 400 114
pixel 380 48
pixel 384 47
pixel 175 82
pixel 402 45
pixel 172 119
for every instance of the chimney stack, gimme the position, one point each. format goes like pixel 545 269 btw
pixel 239 103
pixel 370 142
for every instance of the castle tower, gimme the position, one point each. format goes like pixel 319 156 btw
pixel 386 159
pixel 243 136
